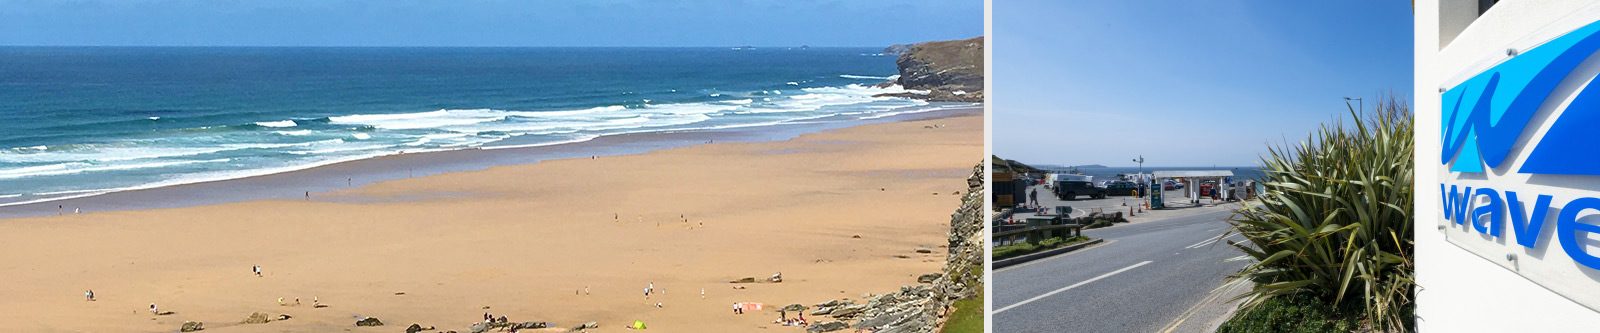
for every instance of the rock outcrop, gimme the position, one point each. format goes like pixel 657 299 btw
pixel 256 318
pixel 950 71
pixel 369 321
pixel 922 308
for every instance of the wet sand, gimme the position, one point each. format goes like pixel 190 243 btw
pixel 523 240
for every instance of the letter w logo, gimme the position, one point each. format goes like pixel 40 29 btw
pixel 1483 116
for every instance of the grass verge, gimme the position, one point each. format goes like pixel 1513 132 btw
pixel 1013 250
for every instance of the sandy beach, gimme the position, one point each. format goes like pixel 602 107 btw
pixel 525 241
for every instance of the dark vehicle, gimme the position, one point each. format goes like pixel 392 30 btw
pixel 1123 188
pixel 1071 189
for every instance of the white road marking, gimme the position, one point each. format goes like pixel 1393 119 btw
pixel 1075 285
pixel 1208 241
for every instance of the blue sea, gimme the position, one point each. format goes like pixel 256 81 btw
pixel 79 121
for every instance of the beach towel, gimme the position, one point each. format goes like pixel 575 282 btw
pixel 748 306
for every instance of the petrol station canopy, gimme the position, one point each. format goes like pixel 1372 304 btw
pixel 1194 174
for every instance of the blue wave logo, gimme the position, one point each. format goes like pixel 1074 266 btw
pixel 1484 116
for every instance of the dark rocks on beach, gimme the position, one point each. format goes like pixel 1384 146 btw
pixel 256 318
pixel 192 326
pixel 585 326
pixel 414 328
pixel 531 325
pixel 369 321
pixel 284 317
pixel 827 327
pixel 921 308
pixel 856 236
pixel 744 280
pixel 951 71
pixel 924 250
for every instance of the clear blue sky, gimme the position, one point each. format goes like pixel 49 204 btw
pixel 1222 79
pixel 486 22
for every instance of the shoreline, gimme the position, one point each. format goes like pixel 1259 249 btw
pixel 844 212
pixel 343 175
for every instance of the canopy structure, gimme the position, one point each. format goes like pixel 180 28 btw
pixel 1194 174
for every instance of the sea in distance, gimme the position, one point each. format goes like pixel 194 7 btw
pixel 1111 173
pixel 81 121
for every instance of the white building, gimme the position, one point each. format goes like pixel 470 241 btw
pixel 1504 106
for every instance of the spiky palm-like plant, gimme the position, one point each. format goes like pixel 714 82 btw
pixel 1334 221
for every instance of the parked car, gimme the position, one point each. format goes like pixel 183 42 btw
pixel 1120 188
pixel 1071 189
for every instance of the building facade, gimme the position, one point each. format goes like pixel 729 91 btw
pixel 1508 184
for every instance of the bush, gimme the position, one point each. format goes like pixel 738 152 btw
pixel 1334 223
pixel 1295 313
pixel 1013 250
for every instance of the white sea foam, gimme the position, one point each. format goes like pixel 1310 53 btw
pixel 8 196
pixel 792 83
pixel 105 153
pixel 280 123
pixel 77 168
pixel 864 77
pixel 449 129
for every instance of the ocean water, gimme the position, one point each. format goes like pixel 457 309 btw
pixel 83 121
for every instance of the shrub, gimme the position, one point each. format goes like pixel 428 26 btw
pixel 1013 250
pixel 1294 313
pixel 1334 222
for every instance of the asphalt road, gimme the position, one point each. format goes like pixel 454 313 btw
pixel 1144 278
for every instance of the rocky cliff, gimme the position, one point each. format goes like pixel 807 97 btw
pixel 948 70
pixel 923 308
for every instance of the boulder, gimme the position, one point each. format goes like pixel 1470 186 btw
pixel 192 326
pixel 924 250
pixel 929 278
pixel 414 328
pixel 585 326
pixel 827 327
pixel 531 325
pixel 369 321
pixel 256 318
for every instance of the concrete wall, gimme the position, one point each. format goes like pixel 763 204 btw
pixel 1462 288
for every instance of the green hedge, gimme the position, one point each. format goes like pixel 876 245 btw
pixel 1013 250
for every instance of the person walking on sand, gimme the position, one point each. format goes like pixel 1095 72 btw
pixel 88 295
pixel 738 310
pixel 153 309
pixel 256 269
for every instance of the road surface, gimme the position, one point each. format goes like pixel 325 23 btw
pixel 1144 278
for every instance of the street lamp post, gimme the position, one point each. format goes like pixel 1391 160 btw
pixel 1145 181
pixel 1361 105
